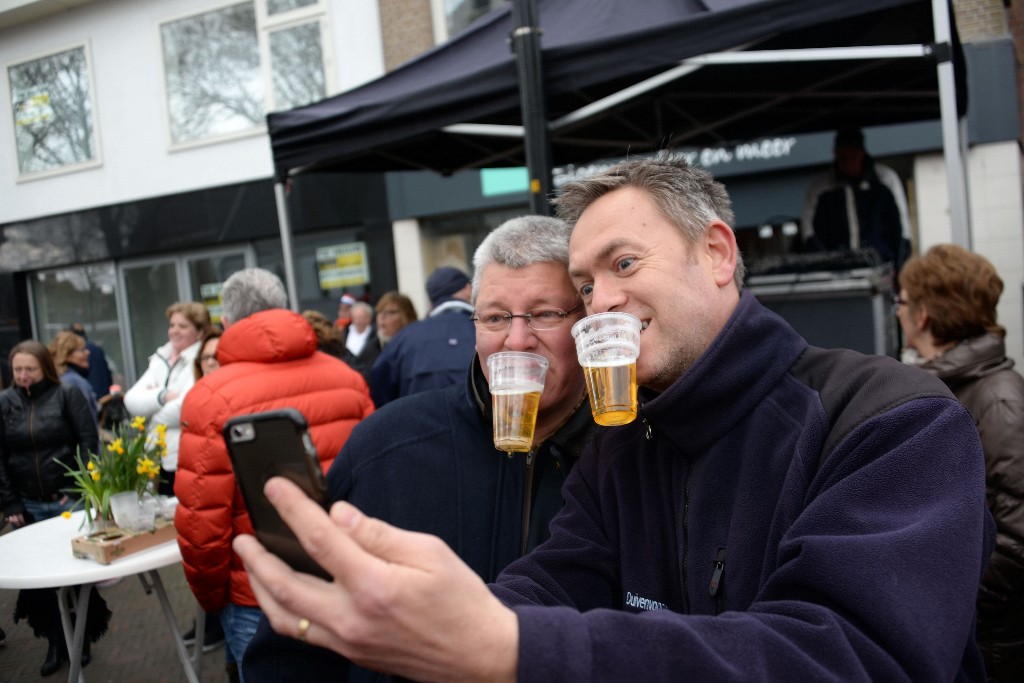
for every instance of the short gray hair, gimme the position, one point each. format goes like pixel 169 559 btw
pixel 687 196
pixel 250 291
pixel 521 242
pixel 363 306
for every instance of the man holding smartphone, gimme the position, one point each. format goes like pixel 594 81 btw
pixel 427 462
pixel 268 359
pixel 777 512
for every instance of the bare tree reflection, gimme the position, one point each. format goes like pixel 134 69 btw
pixel 52 111
pixel 297 60
pixel 212 63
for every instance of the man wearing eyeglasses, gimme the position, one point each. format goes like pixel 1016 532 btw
pixel 427 462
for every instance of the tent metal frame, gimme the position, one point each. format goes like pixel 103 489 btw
pixel 535 133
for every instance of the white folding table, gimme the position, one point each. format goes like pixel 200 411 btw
pixel 39 556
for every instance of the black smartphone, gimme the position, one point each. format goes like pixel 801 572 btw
pixel 276 443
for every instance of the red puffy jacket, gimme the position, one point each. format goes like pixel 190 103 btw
pixel 267 360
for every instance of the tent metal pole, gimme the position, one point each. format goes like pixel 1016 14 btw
pixel 533 104
pixel 959 215
pixel 281 196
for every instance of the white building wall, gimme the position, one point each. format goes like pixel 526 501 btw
pixel 997 222
pixel 409 262
pixel 127 70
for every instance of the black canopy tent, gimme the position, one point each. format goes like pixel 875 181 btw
pixel 622 78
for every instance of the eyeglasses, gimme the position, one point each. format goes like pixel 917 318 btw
pixel 389 312
pixel 539 319
pixel 897 300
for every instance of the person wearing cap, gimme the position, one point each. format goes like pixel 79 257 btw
pixel 432 353
pixel 344 311
pixel 857 203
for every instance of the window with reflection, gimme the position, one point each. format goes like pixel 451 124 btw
pixel 53 112
pixel 297 64
pixel 213 66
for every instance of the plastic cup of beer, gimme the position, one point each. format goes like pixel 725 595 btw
pixel 607 345
pixel 516 382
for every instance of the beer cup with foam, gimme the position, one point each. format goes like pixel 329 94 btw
pixel 607 345
pixel 516 383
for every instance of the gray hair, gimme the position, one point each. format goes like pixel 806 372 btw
pixel 687 196
pixel 250 291
pixel 521 242
pixel 363 306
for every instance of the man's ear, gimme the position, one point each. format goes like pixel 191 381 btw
pixel 225 321
pixel 722 250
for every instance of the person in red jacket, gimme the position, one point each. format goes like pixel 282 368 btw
pixel 268 359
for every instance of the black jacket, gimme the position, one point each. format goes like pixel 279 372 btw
pixel 982 377
pixel 41 428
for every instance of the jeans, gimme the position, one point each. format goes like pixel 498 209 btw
pixel 239 624
pixel 40 510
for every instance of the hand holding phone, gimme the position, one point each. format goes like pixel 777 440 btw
pixel 276 443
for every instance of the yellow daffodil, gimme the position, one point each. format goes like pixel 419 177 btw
pixel 130 462
pixel 66 514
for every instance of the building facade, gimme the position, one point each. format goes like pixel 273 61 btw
pixel 135 166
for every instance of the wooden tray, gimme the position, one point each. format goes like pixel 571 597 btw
pixel 111 544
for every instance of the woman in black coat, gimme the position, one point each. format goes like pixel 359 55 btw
pixel 43 425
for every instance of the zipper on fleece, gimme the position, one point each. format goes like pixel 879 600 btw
pixel 686 542
pixel 715 589
pixel 524 537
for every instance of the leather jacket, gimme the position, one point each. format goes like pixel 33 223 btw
pixel 41 428
pixel 983 379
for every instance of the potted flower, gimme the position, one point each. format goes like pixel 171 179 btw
pixel 129 462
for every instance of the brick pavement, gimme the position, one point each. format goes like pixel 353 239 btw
pixel 136 648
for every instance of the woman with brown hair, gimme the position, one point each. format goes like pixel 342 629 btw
pixel 158 394
pixel 329 338
pixel 42 425
pixel 394 311
pixel 71 359
pixel 206 360
pixel 947 310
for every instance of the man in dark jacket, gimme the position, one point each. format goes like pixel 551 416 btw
pixel 431 353
pixel 427 462
pixel 777 512
pixel 857 203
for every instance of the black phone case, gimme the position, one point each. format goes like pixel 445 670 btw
pixel 270 444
